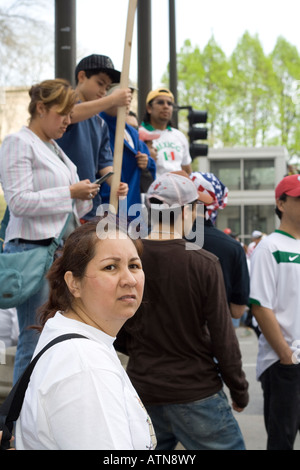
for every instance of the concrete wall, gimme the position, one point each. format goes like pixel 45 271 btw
pixel 13 110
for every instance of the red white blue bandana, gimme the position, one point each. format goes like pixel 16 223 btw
pixel 208 182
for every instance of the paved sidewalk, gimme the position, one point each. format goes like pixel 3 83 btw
pixel 251 420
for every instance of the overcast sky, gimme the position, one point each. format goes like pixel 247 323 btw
pixel 101 27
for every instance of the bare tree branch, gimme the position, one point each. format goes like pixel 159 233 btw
pixel 27 41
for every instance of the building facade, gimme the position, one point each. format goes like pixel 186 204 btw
pixel 251 175
pixel 14 114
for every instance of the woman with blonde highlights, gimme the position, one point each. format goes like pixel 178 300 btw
pixel 41 188
pixel 52 92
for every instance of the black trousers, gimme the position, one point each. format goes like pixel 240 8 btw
pixel 281 388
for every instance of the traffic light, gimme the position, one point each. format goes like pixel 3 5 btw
pixel 197 133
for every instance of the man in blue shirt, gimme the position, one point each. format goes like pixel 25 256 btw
pixel 87 140
pixel 136 157
pixel 134 151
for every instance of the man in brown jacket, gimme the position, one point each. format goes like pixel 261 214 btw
pixel 181 343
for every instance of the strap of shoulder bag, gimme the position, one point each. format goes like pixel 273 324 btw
pixel 11 408
pixel 58 239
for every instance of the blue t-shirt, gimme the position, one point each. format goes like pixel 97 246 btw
pixel 87 144
pixel 131 173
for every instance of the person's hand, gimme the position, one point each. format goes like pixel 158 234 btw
pixel 142 160
pixel 123 190
pixel 12 439
pixel 286 357
pixel 121 97
pixel 84 190
pixel 237 408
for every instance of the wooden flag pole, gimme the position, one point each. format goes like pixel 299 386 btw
pixel 121 116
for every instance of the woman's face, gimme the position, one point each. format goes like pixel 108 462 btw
pixel 112 289
pixel 54 125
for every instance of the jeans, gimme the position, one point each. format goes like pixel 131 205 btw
pixel 26 317
pixel 281 387
pixel 206 424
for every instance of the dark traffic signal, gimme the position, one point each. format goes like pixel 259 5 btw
pixel 197 133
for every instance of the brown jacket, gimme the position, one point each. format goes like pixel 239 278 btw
pixel 182 339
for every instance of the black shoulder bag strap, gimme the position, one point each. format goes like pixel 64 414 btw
pixel 11 408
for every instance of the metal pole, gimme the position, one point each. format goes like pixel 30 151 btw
pixel 144 54
pixel 65 39
pixel 173 57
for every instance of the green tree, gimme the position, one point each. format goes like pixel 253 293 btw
pixel 252 99
pixel 191 75
pixel 216 84
pixel 190 80
pixel 286 64
pixel 253 82
pixel 202 82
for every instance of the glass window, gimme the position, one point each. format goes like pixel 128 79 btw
pixel 259 174
pixel 229 172
pixel 230 217
pixel 260 218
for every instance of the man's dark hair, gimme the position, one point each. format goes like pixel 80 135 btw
pixel 147 117
pixel 283 198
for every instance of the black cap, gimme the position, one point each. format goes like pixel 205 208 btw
pixel 101 63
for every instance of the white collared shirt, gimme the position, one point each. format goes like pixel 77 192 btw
pixel 80 396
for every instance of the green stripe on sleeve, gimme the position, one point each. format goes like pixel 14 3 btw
pixel 254 302
pixel 286 257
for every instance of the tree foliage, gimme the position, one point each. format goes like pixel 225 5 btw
pixel 252 98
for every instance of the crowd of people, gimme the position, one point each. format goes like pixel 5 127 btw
pixel 165 300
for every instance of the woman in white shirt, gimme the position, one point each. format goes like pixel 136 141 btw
pixel 41 187
pixel 80 396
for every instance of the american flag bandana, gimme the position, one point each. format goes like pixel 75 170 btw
pixel 210 183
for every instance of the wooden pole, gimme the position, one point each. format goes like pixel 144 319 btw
pixel 121 116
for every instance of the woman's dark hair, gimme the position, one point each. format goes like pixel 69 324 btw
pixel 283 198
pixel 78 251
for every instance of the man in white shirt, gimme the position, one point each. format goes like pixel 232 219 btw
pixel 172 146
pixel 275 298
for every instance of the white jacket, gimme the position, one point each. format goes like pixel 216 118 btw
pixel 36 185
